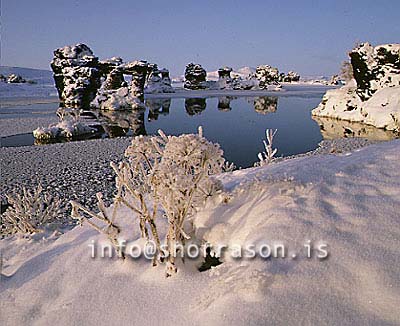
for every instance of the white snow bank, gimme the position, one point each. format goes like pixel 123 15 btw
pixel 350 202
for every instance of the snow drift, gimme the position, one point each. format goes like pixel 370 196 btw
pixel 350 202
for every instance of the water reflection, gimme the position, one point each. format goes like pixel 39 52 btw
pixel 195 106
pixel 333 129
pixel 239 132
pixel 264 104
pixel 224 103
pixel 157 107
pixel 119 123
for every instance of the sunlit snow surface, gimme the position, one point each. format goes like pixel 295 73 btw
pixel 350 202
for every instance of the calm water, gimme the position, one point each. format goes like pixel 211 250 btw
pixel 237 124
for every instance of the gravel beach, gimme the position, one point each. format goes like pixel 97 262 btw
pixel 71 171
pixel 78 170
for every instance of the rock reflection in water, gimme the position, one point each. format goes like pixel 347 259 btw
pixel 195 106
pixel 333 129
pixel 224 103
pixel 119 123
pixel 264 104
pixel 157 107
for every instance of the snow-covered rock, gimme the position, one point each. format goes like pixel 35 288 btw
pixel 114 94
pixel 159 82
pixel 76 74
pixel 224 78
pixel 267 76
pixel 290 77
pixel 373 97
pixel 195 77
pixel 116 99
pixel 15 79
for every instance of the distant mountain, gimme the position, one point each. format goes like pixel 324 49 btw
pixel 40 76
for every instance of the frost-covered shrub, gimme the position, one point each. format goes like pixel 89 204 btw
pixel 29 212
pixel 166 177
pixel 269 155
pixel 69 125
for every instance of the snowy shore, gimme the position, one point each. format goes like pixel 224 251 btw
pixel 78 170
pixel 348 201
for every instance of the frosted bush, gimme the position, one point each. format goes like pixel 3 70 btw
pixel 269 155
pixel 166 177
pixel 69 125
pixel 29 212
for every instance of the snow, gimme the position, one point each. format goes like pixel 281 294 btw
pixel 350 202
pixel 119 99
pixel 43 88
pixel 381 110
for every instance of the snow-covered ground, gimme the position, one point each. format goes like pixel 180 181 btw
pixel 349 202
pixel 43 89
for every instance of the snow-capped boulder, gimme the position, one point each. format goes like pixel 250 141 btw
pixel 195 77
pixel 267 76
pixel 290 77
pixel 15 79
pixel 159 82
pixel 76 75
pixel 224 78
pixel 373 96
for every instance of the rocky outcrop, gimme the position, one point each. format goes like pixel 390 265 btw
pixel 373 96
pixel 375 68
pixel 290 77
pixel 83 81
pixel 195 77
pixel 114 93
pixel 159 82
pixel 76 74
pixel 15 79
pixel 224 78
pixel 266 76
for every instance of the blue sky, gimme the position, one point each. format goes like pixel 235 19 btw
pixel 311 37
